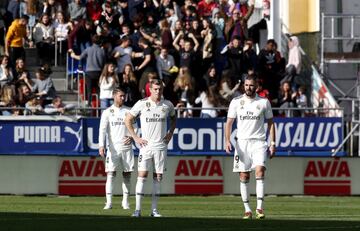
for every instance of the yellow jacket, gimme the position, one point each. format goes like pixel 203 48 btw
pixel 15 34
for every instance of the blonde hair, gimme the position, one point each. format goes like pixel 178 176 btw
pixel 132 77
pixel 7 94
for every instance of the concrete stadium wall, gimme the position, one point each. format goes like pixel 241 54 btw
pixel 185 175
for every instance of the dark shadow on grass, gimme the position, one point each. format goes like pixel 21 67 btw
pixel 69 222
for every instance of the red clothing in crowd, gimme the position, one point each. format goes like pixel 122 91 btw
pixel 205 9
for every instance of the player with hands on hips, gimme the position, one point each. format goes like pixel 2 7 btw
pixel 154 113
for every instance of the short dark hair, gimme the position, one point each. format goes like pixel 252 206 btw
pixel 251 77
pixel 157 82
pixel 271 41
pixel 95 39
pixel 25 17
pixel 117 90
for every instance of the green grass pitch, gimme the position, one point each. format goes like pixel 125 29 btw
pixel 188 213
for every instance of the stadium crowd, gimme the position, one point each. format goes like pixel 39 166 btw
pixel 201 49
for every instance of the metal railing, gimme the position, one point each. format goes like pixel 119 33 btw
pixel 281 112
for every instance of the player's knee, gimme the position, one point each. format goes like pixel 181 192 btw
pixel 157 177
pixel 141 179
pixel 244 180
pixel 111 174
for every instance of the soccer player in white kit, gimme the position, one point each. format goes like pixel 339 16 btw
pixel 154 112
pixel 115 137
pixel 251 146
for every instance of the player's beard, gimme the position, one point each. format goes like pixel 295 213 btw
pixel 250 93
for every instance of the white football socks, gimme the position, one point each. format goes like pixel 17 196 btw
pixel 139 192
pixel 109 187
pixel 126 189
pixel 245 194
pixel 260 192
pixel 155 193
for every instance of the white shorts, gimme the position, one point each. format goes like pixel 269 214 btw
pixel 155 159
pixel 249 154
pixel 123 159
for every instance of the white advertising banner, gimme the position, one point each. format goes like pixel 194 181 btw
pixel 184 175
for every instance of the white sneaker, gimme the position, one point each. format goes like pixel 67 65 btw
pixel 136 213
pixel 107 206
pixel 125 205
pixel 155 213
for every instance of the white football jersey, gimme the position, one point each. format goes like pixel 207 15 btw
pixel 153 120
pixel 112 130
pixel 250 115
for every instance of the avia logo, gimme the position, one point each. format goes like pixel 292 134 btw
pixel 331 177
pixel 82 176
pixel 199 176
pixel 206 167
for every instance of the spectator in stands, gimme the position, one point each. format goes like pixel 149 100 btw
pixel 109 16
pixel 14 47
pixel 301 100
pixel 205 8
pixel 57 107
pixel 32 10
pixel 207 47
pixel 147 65
pixel 184 88
pixel 209 101
pixel 227 89
pixel 261 91
pixel 24 94
pixel 51 7
pixel 34 106
pixel 81 33
pixel 128 82
pixel 14 9
pixel 172 15
pixel 164 63
pixel 286 99
pixel 233 52
pixel 77 11
pixel 293 66
pixel 43 86
pixel 219 24
pixel 250 58
pixel 122 54
pixel 236 26
pixel 108 82
pixel 93 10
pixel 6 74
pixel 44 37
pixel 187 53
pixel 165 36
pixel 146 91
pixel 7 99
pixel 19 69
pixel 268 67
pixel 211 78
pixel 95 58
pixel 62 29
